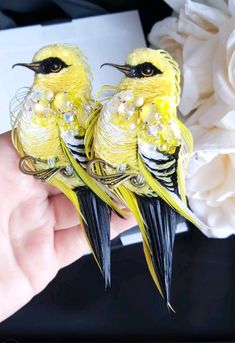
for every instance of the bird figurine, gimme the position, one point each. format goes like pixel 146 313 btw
pixel 49 132
pixel 140 150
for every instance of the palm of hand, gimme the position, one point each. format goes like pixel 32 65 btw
pixel 39 232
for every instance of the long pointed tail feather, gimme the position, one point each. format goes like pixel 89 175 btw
pixel 130 200
pixel 96 224
pixel 160 225
pixel 95 220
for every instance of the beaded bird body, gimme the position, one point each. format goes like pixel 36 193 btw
pixel 46 118
pixel 128 123
pixel 140 151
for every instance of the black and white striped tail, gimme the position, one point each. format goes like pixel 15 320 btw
pixel 97 217
pixel 160 219
pixel 76 146
pixel 160 224
pixel 95 212
pixel 163 168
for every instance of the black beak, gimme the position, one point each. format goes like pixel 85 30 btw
pixel 36 66
pixel 126 69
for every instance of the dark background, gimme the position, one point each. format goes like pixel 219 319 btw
pixel 75 306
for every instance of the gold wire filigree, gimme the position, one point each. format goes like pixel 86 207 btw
pixel 111 180
pixel 43 174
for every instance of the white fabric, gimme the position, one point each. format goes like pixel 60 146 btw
pixel 202 39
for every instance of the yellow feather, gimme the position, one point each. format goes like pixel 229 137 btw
pixel 184 157
pixel 16 142
pixel 129 199
pixel 151 267
pixel 91 123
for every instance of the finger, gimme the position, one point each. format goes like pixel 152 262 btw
pixel 71 244
pixel 52 190
pixel 64 212
pixel 119 225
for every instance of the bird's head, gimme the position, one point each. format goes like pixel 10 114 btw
pixel 150 73
pixel 61 68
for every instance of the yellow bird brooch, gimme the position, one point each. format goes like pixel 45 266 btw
pixel 49 131
pixel 139 150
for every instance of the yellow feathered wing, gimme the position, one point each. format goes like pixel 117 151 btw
pixel 90 183
pixel 53 181
pixel 67 191
pixel 170 198
pixel 185 153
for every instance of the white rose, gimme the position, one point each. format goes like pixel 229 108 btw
pixel 202 40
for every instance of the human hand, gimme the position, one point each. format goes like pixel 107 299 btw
pixel 39 232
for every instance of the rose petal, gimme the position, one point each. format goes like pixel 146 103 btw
pixel 221 221
pixel 218 114
pixel 228 121
pixel 202 39
pixel 176 5
pixel 188 27
pixel 195 85
pixel 216 140
pixel 196 115
pixel 231 7
pixel 205 180
pixel 207 16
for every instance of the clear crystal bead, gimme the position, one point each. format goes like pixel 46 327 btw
pixel 128 96
pixel 69 170
pixel 49 95
pixel 152 130
pixel 68 117
pixel 36 95
pixel 51 162
pixel 130 110
pixel 175 129
pixel 132 127
pixel 121 168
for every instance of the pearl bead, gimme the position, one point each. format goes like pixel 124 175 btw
pixel 128 96
pixel 49 95
pixel 139 102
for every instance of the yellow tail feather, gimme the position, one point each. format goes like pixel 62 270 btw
pixel 91 183
pixel 184 157
pixel 129 199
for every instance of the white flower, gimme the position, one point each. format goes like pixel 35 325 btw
pixel 202 40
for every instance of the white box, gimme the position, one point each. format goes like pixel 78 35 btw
pixel 105 38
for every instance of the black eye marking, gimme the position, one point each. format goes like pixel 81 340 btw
pixel 51 65
pixel 146 69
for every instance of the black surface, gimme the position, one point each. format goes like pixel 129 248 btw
pixel 76 307
pixel 28 12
